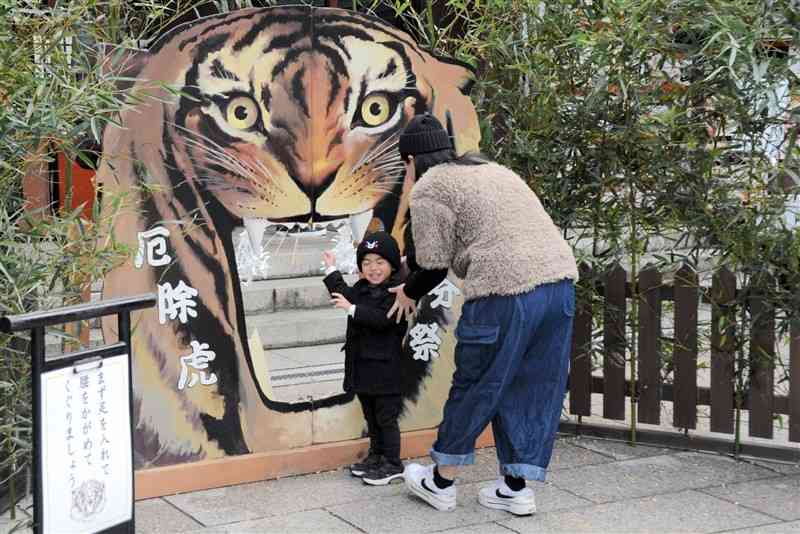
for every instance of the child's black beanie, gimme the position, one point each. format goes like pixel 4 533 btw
pixel 382 244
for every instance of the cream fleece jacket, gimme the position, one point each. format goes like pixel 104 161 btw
pixel 485 223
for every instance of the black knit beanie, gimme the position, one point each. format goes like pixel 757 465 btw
pixel 423 134
pixel 382 244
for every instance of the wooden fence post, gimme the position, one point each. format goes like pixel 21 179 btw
pixel 723 330
pixel 580 369
pixel 650 346
pixel 685 350
pixel 614 344
pixel 794 381
pixel 762 356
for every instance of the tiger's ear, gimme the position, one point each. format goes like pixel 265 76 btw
pixel 461 74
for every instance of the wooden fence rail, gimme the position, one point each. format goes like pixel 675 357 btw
pixel 684 393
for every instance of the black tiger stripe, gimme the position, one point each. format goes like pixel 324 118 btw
pixel 362 93
pixel 333 56
pixel 285 41
pixel 183 28
pixel 228 19
pixel 299 91
pixel 338 31
pixel 337 40
pixel 219 71
pixel 211 45
pixel 400 51
pixel 368 21
pixel 288 59
pixel 347 95
pixel 266 95
pixel 391 68
pixel 182 191
pixel 377 24
pixel 297 15
pixel 336 86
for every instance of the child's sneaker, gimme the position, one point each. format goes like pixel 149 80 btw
pixel 383 473
pixel 500 497
pixel 419 480
pixel 370 462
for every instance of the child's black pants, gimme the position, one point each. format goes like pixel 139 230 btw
pixel 381 413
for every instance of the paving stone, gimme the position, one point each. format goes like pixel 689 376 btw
pixel 312 521
pixel 780 467
pixel 653 475
pixel 483 528
pixel 687 511
pixel 570 453
pixel 411 514
pixel 619 450
pixel 157 515
pixel 776 528
pixel 778 497
pixel 263 499
pixel 407 513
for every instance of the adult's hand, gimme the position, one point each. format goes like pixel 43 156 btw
pixel 403 305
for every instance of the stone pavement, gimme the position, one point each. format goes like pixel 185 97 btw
pixel 593 486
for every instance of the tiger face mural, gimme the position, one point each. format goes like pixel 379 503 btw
pixel 275 114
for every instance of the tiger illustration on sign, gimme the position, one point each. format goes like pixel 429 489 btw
pixel 287 114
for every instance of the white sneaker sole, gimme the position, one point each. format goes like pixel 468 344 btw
pixel 358 472
pixel 515 507
pixel 382 481
pixel 430 498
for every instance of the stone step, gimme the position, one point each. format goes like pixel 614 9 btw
pixel 307 375
pixel 303 372
pixel 267 296
pixel 298 328
pixel 286 359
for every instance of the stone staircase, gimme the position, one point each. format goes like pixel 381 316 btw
pixel 301 333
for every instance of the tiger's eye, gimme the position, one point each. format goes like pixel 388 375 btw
pixel 375 110
pixel 242 112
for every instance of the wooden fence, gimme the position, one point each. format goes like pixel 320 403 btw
pixel 683 391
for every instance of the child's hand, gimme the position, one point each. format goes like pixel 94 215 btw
pixel 339 301
pixel 329 258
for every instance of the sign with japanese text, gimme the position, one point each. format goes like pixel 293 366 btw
pixel 86 447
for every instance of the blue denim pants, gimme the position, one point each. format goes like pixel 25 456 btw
pixel 512 359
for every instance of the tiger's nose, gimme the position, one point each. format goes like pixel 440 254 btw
pixel 314 188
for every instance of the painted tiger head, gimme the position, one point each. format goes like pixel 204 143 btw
pixel 280 114
pixel 293 115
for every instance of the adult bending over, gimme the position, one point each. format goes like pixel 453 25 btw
pixel 481 220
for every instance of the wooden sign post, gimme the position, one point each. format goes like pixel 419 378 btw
pixel 82 424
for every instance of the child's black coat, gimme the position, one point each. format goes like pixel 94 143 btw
pixel 374 343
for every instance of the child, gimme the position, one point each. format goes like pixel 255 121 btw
pixel 373 348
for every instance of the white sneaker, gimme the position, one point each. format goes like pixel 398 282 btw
pixel 500 497
pixel 419 480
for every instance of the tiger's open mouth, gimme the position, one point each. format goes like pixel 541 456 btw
pixel 256 227
pixel 293 334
